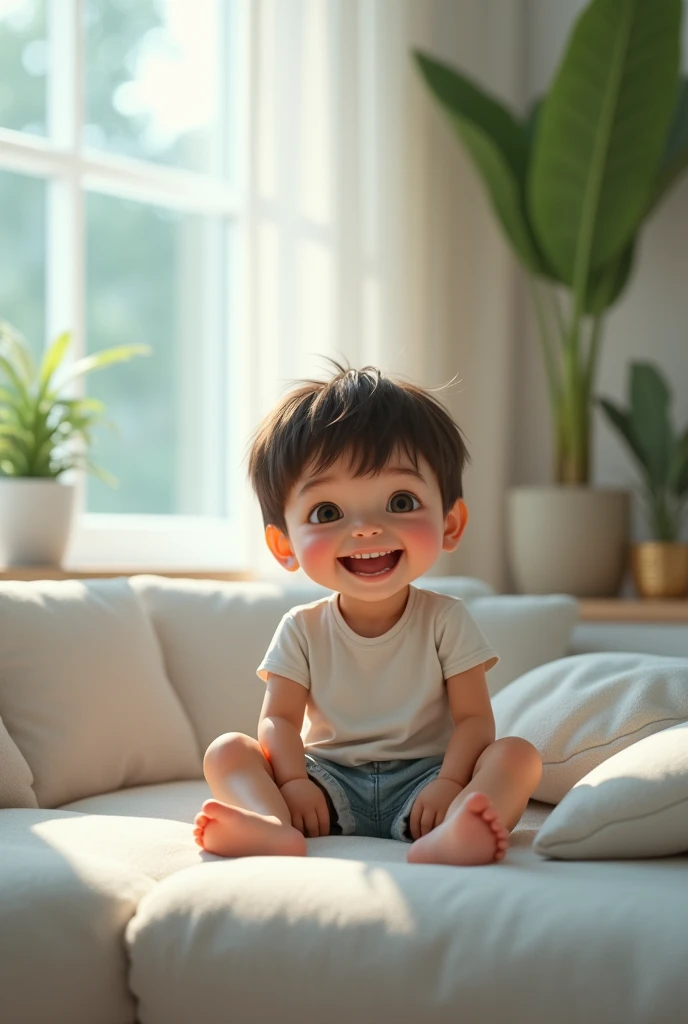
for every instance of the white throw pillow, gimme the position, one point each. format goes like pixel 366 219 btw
pixel 579 711
pixel 83 691
pixel 15 775
pixel 634 804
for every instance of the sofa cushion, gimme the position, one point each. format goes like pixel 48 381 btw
pixel 16 779
pixel 181 802
pixel 149 846
pixel 579 711
pixel 83 691
pixel 214 635
pixel 526 630
pixel 635 804
pixel 176 801
pixel 314 939
pixel 62 917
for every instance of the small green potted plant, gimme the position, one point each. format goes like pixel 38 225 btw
pixel 572 183
pixel 659 566
pixel 44 435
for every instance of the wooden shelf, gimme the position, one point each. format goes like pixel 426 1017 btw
pixel 28 573
pixel 634 610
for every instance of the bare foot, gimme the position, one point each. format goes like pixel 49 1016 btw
pixel 234 832
pixel 472 835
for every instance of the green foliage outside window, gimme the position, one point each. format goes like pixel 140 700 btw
pixel 132 254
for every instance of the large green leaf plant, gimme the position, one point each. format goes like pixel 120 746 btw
pixel 658 450
pixel 43 433
pixel 574 180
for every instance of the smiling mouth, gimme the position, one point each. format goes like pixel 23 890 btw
pixel 383 565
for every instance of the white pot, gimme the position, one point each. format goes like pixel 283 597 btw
pixel 36 517
pixel 569 540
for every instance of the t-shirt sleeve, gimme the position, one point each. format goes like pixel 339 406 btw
pixel 287 654
pixel 461 643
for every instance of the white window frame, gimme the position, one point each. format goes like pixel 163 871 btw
pixel 70 170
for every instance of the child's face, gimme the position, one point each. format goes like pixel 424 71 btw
pixel 330 519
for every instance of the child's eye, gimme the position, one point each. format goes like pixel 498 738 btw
pixel 402 498
pixel 325 512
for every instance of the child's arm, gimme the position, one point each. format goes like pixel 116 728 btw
pixel 474 725
pixel 474 730
pixel 279 728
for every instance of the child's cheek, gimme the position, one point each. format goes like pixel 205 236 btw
pixel 422 539
pixel 317 551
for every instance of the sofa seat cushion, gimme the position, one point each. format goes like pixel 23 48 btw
pixel 177 801
pixel 83 691
pixel 63 910
pixel 149 847
pixel 329 939
pixel 181 802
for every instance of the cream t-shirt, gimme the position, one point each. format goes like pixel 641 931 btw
pixel 377 698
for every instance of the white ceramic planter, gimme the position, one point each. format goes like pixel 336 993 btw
pixel 36 517
pixel 568 540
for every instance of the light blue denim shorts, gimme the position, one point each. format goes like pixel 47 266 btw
pixel 375 798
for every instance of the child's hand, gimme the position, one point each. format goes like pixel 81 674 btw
pixel 307 806
pixel 430 806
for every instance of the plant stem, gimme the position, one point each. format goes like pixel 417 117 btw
pixel 593 354
pixel 561 327
pixel 572 463
pixel 553 380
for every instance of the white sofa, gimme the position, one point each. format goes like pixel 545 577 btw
pixel 111 690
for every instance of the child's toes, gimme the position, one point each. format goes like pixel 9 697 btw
pixel 201 820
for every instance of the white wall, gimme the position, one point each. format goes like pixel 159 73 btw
pixel 474 319
pixel 459 271
pixel 649 323
pixel 452 300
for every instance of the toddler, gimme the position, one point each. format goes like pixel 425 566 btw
pixel 376 719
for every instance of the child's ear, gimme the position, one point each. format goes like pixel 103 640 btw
pixel 281 548
pixel 454 525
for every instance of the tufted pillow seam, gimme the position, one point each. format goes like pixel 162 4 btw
pixel 621 736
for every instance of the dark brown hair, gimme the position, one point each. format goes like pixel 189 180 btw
pixel 360 412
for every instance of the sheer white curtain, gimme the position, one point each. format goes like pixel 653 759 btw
pixel 372 239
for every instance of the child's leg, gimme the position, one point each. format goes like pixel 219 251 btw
pixel 476 826
pixel 248 814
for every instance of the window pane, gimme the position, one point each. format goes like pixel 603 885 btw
pixel 152 278
pixel 23 65
pixel 152 80
pixel 22 256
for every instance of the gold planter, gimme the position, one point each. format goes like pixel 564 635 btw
pixel 660 569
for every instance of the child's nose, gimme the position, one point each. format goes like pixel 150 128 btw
pixel 365 528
